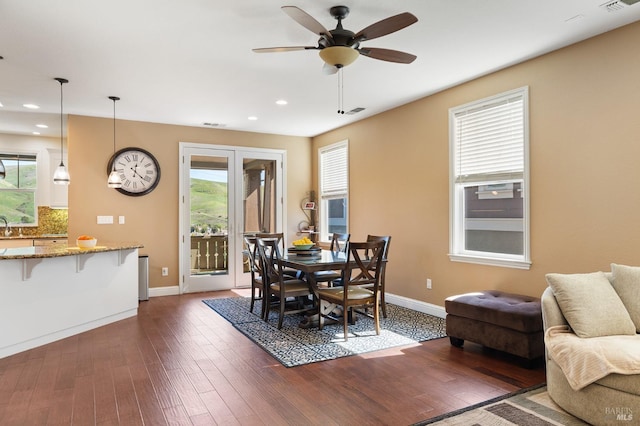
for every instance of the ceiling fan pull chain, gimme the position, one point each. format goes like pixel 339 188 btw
pixel 340 92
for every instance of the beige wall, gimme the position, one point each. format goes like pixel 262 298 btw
pixel 584 149
pixel 153 219
pixel 585 179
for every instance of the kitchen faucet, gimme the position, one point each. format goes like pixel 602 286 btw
pixel 7 228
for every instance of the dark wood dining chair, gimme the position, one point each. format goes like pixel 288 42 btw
pixel 255 268
pixel 279 236
pixel 360 285
pixel 339 243
pixel 385 259
pixel 278 285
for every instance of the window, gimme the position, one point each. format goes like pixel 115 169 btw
pixel 334 189
pixel 489 221
pixel 18 189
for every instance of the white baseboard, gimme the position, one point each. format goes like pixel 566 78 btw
pixel 416 305
pixel 164 291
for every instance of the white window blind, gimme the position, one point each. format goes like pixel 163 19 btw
pixel 489 166
pixel 334 171
pixel 490 140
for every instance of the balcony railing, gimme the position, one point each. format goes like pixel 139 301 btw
pixel 209 253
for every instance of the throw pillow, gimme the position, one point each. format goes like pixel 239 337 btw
pixel 626 282
pixel 591 305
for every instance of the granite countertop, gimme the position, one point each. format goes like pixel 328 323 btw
pixel 62 249
pixel 33 237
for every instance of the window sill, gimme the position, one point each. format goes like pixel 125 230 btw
pixel 491 261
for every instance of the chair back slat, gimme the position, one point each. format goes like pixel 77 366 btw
pixel 340 242
pixel 278 236
pixel 363 267
pixel 270 260
pixel 387 242
pixel 254 257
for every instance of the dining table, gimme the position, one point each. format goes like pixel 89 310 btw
pixel 309 262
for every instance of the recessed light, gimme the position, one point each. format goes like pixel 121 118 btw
pixel 252 118
pixel 31 106
pixel 35 133
pixel 42 126
pixel 281 102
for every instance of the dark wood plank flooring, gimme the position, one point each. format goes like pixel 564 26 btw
pixel 178 362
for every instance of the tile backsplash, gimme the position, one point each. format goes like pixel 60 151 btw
pixel 50 221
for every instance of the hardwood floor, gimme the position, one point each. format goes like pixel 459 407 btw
pixel 178 362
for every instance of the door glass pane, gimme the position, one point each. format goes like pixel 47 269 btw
pixel 209 215
pixel 259 203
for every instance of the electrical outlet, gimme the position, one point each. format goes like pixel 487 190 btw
pixel 165 271
pixel 428 283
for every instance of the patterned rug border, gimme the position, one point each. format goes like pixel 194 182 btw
pixel 293 346
pixel 480 405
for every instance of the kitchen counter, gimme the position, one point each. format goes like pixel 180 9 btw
pixel 55 291
pixel 62 249
pixel 33 237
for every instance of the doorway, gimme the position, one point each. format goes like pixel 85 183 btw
pixel 226 193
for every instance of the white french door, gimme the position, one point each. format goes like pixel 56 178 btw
pixel 225 192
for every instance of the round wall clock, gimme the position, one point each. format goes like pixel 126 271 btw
pixel 139 171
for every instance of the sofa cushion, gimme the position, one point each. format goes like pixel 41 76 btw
pixel 590 304
pixel 626 282
pixel 622 382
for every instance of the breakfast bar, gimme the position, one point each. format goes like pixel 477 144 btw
pixel 56 291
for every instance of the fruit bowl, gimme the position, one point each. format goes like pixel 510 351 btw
pixel 302 246
pixel 86 243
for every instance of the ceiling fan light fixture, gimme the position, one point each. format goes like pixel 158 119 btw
pixel 339 56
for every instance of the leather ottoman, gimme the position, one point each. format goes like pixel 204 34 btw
pixel 507 322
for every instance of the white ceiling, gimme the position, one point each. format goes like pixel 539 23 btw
pixel 190 62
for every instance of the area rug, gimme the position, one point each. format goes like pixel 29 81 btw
pixel 527 407
pixel 294 346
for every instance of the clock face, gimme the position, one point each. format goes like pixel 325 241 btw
pixel 138 170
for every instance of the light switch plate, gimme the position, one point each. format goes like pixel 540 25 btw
pixel 121 220
pixel 105 220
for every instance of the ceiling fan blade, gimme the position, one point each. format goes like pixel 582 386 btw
pixel 304 19
pixel 386 26
pixel 329 69
pixel 283 49
pixel 388 55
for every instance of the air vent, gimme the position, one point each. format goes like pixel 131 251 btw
pixel 355 111
pixel 613 6
pixel 213 124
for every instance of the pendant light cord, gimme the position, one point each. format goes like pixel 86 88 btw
pixel 61 124
pixel 114 99
pixel 114 180
pixel 61 175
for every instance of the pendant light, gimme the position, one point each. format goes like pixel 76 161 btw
pixel 61 175
pixel 114 180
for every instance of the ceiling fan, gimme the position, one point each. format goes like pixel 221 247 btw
pixel 340 47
